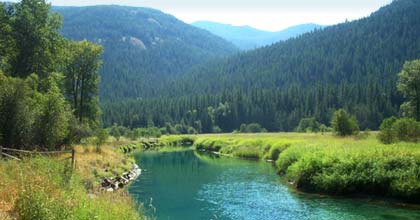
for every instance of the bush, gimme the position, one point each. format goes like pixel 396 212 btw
pixel 344 124
pixel 386 132
pixel 101 136
pixel 31 116
pixel 404 129
pixel 251 128
pixel 308 125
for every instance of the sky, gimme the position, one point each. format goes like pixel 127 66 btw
pixel 271 15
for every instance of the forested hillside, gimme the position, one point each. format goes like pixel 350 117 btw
pixel 246 37
pixel 353 65
pixel 142 47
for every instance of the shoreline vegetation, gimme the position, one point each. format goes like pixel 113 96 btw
pixel 47 188
pixel 327 164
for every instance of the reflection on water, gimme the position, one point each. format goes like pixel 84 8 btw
pixel 190 186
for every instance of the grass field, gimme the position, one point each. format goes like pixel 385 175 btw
pixel 45 188
pixel 329 164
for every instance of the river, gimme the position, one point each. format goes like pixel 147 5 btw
pixel 186 185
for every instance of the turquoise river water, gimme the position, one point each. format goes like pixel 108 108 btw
pixel 187 185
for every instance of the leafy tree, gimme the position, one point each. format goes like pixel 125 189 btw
pixel 82 79
pixel 17 112
pixel 7 45
pixel 52 123
pixel 344 124
pixel 101 136
pixel 38 43
pixel 31 118
pixel 409 86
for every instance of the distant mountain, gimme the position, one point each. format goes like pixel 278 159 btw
pixel 143 46
pixel 246 37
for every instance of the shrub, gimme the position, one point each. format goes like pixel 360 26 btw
pixel 387 134
pixel 101 136
pixel 406 129
pixel 251 128
pixel 308 125
pixel 344 124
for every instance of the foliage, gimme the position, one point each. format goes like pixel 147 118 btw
pixel 82 80
pixel 409 86
pixel 101 136
pixel 251 128
pixel 6 39
pixel 310 125
pixel 38 45
pixel 52 122
pixel 387 134
pixel 369 168
pixel 404 129
pixel 30 118
pixel 34 110
pixel 344 124
pixel 116 133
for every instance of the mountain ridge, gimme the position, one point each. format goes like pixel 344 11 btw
pixel 247 37
pixel 142 46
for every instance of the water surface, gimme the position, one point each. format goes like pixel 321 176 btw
pixel 190 186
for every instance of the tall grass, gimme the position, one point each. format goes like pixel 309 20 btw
pixel 177 140
pixel 46 189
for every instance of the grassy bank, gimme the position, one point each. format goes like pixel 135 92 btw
pixel 41 188
pixel 329 164
pixel 164 143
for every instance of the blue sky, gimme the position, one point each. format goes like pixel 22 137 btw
pixel 262 14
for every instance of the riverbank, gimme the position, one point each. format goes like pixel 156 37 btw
pixel 329 164
pixel 47 188
pixel 164 143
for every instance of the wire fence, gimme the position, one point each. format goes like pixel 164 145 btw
pixel 12 154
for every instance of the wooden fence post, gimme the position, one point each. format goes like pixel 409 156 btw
pixel 72 159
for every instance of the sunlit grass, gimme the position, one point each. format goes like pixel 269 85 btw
pixel 46 188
